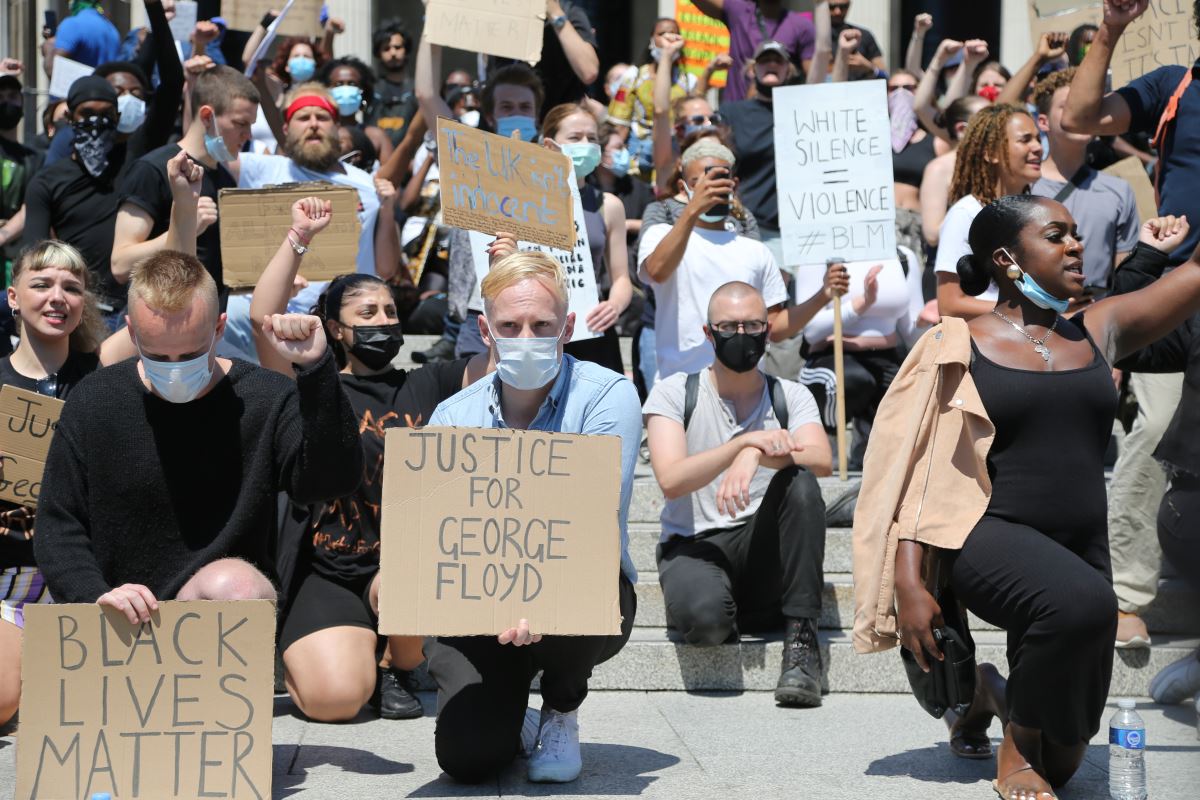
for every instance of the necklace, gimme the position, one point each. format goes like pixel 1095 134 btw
pixel 1039 345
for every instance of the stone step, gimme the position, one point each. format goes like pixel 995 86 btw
pixel 656 660
pixel 1175 610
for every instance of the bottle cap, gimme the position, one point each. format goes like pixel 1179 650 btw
pixel 1127 703
pixel 102 796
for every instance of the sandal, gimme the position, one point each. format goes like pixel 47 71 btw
pixel 974 745
pixel 1022 794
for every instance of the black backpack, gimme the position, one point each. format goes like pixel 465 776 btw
pixel 778 399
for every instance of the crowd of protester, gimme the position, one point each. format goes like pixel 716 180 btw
pixel 1027 299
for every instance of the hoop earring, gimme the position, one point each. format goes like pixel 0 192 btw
pixel 1013 272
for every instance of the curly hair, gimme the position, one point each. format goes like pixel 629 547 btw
pixel 366 77
pixel 283 51
pixel 1043 93
pixel 983 154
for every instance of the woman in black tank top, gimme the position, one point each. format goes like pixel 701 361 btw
pixel 1037 564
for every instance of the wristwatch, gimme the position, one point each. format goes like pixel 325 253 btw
pixel 559 22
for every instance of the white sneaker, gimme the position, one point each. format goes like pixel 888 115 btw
pixel 556 758
pixel 529 731
pixel 1178 681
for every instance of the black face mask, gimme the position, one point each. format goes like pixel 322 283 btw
pixel 740 352
pixel 10 115
pixel 376 345
pixel 764 89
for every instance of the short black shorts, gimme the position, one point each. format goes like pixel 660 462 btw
pixel 323 602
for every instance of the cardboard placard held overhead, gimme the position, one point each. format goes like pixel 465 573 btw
pixel 27 423
pixel 304 19
pixel 490 183
pixel 576 264
pixel 254 223
pixel 505 28
pixel 180 707
pixel 833 158
pixel 482 528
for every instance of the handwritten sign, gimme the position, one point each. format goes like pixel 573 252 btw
pixel 255 221
pixel 582 295
pixel 484 527
pixel 490 183
pixel 833 166
pixel 269 38
pixel 303 20
pixel 27 422
pixel 180 707
pixel 505 28
pixel 705 38
pixel 64 73
pixel 184 21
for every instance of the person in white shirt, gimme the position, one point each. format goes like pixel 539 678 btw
pixel 688 261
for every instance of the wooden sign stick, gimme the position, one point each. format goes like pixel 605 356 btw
pixel 839 372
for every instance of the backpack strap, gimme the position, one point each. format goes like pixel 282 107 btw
pixel 691 390
pixel 1165 123
pixel 778 401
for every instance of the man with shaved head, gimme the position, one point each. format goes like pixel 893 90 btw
pixel 736 453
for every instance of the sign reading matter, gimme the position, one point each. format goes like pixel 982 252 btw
pixel 833 166
pixel 255 221
pixel 482 528
pixel 505 28
pixel 576 264
pixel 180 707
pixel 27 422
pixel 490 183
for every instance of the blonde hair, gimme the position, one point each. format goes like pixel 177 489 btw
pixel 167 281
pixel 512 269
pixel 55 254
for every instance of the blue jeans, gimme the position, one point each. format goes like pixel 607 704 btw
pixel 647 356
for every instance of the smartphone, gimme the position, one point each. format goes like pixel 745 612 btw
pixel 51 23
pixel 719 208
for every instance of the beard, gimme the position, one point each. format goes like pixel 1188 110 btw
pixel 318 156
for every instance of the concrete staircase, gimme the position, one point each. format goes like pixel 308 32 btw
pixel 656 659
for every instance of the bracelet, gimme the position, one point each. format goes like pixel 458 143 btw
pixel 267 19
pixel 303 239
pixel 299 248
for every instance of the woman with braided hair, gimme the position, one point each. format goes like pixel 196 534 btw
pixel 1000 154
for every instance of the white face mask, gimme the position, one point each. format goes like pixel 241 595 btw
pixel 131 112
pixel 527 362
pixel 178 381
pixel 470 118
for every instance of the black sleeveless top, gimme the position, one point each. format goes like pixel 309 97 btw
pixel 908 166
pixel 1052 429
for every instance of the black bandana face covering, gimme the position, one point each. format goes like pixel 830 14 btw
pixel 93 141
pixel 376 345
pixel 740 352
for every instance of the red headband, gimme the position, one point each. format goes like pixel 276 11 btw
pixel 309 101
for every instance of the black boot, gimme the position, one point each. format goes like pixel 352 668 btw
pixel 800 676
pixel 395 696
pixel 442 350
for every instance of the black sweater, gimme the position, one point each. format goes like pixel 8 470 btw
pixel 141 490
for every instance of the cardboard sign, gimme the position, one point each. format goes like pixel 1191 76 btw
pixel 505 28
pixel 178 708
pixel 833 166
pixel 490 183
pixel 482 528
pixel 576 263
pixel 1132 170
pixel 27 423
pixel 255 221
pixel 64 72
pixel 303 20
pixel 184 21
pixel 268 39
pixel 705 37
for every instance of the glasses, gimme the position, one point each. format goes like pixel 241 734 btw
pixel 713 119
pixel 751 327
pixel 912 87
pixel 839 6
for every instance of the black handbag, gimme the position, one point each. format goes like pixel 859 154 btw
pixel 950 683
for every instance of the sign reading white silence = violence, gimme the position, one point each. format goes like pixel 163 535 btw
pixel 833 169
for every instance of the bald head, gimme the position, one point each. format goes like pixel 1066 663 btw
pixel 736 301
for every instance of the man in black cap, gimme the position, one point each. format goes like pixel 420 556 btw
pixel 77 196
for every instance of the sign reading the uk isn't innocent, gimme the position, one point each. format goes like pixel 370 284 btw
pixel 179 707
pixel 833 160
pixel 484 527
pixel 490 183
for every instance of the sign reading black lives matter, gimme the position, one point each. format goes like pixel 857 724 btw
pixel 833 167
pixel 180 707
pixel 484 527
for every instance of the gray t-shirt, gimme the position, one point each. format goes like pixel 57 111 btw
pixel 712 425
pixel 1106 212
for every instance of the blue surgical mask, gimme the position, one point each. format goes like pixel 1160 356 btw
pixel 585 156
pixel 620 162
pixel 178 381
pixel 348 98
pixel 214 143
pixel 528 362
pixel 131 111
pixel 526 125
pixel 1035 293
pixel 301 68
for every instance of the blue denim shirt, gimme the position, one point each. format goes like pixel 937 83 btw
pixel 585 398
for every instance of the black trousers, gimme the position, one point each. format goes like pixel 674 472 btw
pixel 746 578
pixel 483 689
pixel 1059 609
pixel 868 374
pixel 1179 527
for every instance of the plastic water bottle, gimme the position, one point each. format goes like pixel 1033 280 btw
pixel 1126 753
